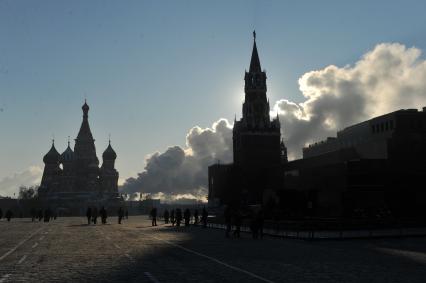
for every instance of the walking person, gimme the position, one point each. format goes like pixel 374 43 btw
pixel 153 215
pixel 172 217
pixel 178 217
pixel 166 217
pixel 95 215
pixel 1 214
pixel 196 217
pixel 40 215
pixel 127 214
pixel 89 215
pixel 187 216
pixel 104 215
pixel 204 216
pixel 33 214
pixel 47 215
pixel 8 215
pixel 120 215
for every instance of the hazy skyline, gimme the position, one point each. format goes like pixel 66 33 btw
pixel 151 71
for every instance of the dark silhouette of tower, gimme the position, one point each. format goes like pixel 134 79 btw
pixel 108 174
pixel 256 139
pixel 51 167
pixel 258 149
pixel 86 162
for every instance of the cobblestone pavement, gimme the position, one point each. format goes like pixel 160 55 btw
pixel 68 250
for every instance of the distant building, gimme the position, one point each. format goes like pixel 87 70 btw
pixel 258 150
pixel 375 138
pixel 73 180
pixel 370 167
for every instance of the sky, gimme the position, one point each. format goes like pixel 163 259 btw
pixel 151 71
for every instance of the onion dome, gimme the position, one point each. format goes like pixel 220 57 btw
pixel 52 156
pixel 109 153
pixel 68 154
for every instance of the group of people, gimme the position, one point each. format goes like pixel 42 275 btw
pixel 234 217
pixel 92 215
pixel 46 215
pixel 175 217
pixel 42 214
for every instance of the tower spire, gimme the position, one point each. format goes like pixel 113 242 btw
pixel 255 62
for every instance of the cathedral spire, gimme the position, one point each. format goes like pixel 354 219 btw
pixel 84 147
pixel 255 62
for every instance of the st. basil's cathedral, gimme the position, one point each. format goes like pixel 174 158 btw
pixel 73 180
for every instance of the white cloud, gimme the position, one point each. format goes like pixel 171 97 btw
pixel 10 184
pixel 388 78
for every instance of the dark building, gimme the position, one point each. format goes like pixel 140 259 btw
pixel 258 150
pixel 73 180
pixel 369 168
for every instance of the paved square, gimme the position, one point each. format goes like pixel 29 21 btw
pixel 68 250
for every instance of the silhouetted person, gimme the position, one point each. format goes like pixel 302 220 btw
pixel 127 214
pixel 104 215
pixel 55 215
pixel 187 216
pixel 153 214
pixel 89 215
pixel 120 215
pixel 178 217
pixel 204 216
pixel 228 218
pixel 46 215
pixel 238 219
pixel 40 215
pixel 1 213
pixel 8 215
pixel 95 215
pixel 196 217
pixel 172 217
pixel 166 217
pixel 33 214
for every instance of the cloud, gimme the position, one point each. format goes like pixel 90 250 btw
pixel 10 184
pixel 385 79
pixel 183 171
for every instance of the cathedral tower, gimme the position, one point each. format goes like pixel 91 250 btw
pixel 51 172
pixel 108 173
pixel 86 164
